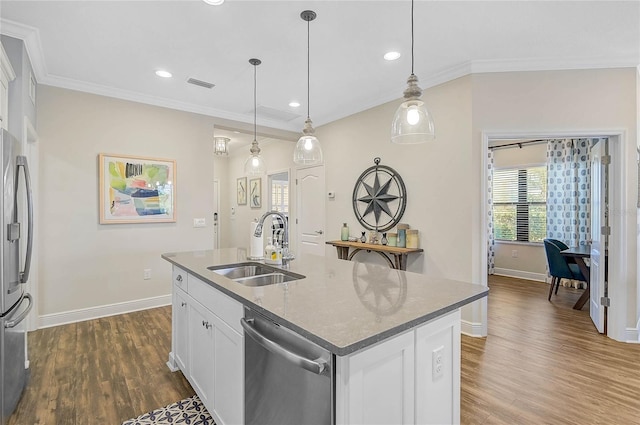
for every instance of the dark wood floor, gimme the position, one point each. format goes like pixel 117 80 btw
pixel 100 372
pixel 542 363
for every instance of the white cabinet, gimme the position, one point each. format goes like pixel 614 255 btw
pixel 180 328
pixel 412 378
pixel 228 374
pixel 201 352
pixel 379 383
pixel 208 346
pixel 6 75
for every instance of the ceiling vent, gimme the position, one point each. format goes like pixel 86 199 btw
pixel 200 83
pixel 275 114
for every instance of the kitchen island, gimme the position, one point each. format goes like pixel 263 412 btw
pixel 395 335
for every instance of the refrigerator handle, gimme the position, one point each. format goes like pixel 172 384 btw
pixel 14 322
pixel 21 161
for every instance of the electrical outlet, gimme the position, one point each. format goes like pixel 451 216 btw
pixel 514 253
pixel 147 274
pixel 199 222
pixel 437 363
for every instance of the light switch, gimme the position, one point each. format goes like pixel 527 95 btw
pixel 199 222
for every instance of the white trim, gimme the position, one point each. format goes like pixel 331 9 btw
pixel 32 43
pixel 538 277
pixel 632 335
pixel 618 263
pixel 472 329
pixel 73 316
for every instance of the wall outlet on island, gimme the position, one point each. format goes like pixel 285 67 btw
pixel 147 274
pixel 437 363
pixel 514 253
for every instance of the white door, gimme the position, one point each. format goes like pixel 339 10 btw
pixel 216 214
pixel 310 210
pixel 599 166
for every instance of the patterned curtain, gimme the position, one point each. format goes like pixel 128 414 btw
pixel 569 191
pixel 491 254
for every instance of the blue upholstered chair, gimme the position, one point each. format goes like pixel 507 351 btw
pixel 560 267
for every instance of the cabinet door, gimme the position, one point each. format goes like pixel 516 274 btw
pixel 180 330
pixel 379 384
pixel 229 374
pixel 201 352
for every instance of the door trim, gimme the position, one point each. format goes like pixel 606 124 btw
pixel 620 233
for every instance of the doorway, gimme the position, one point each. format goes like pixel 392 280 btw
pixel 616 200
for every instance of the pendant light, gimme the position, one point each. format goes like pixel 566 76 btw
pixel 412 122
pixel 254 165
pixel 308 150
pixel 221 145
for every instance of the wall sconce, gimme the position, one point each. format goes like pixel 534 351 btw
pixel 221 145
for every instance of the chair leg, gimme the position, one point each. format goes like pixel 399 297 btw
pixel 553 281
pixel 558 285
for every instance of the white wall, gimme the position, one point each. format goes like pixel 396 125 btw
pixel 561 101
pixel 530 260
pixel 84 264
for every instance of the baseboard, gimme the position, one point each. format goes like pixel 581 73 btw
pixel 539 277
pixel 471 328
pixel 632 335
pixel 74 316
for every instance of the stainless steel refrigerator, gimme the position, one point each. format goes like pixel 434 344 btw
pixel 15 303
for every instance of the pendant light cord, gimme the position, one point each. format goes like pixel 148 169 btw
pixel 308 68
pixel 411 37
pixel 255 101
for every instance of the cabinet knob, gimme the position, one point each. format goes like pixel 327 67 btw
pixel 179 278
pixel 206 324
pixel 182 304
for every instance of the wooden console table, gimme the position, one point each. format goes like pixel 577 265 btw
pixel 399 254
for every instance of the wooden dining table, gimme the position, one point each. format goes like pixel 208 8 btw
pixel 578 254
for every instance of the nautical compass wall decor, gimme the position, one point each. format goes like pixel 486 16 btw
pixel 379 197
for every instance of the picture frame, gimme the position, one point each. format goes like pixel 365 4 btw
pixel 241 190
pixel 136 189
pixel 255 193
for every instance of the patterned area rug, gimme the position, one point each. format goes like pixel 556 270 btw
pixel 189 411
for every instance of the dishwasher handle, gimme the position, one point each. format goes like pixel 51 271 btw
pixel 316 366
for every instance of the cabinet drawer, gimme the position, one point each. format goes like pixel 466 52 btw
pixel 180 278
pixel 223 306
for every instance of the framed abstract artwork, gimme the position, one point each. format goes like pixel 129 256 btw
pixel 255 193
pixel 136 189
pixel 241 187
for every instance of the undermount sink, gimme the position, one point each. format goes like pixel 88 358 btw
pixel 255 274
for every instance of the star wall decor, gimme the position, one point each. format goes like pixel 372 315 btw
pixel 379 197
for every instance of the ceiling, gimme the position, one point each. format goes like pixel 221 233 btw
pixel 114 47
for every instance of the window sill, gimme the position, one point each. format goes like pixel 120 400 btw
pixel 500 242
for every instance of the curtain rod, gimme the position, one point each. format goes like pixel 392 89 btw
pixel 519 144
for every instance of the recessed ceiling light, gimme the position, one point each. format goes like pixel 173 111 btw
pixel 294 104
pixel 214 2
pixel 391 56
pixel 164 74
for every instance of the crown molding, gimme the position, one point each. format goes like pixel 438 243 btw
pixel 31 38
pixel 33 45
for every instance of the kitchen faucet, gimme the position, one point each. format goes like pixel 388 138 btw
pixel 286 254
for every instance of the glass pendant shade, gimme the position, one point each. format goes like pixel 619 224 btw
pixel 308 150
pixel 221 145
pixel 412 123
pixel 254 165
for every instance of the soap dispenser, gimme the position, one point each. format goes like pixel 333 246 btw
pixel 344 232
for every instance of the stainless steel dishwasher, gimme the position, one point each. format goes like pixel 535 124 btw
pixel 288 379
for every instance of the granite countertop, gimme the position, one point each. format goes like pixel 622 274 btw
pixel 341 305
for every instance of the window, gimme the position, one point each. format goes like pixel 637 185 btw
pixel 520 204
pixel 280 196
